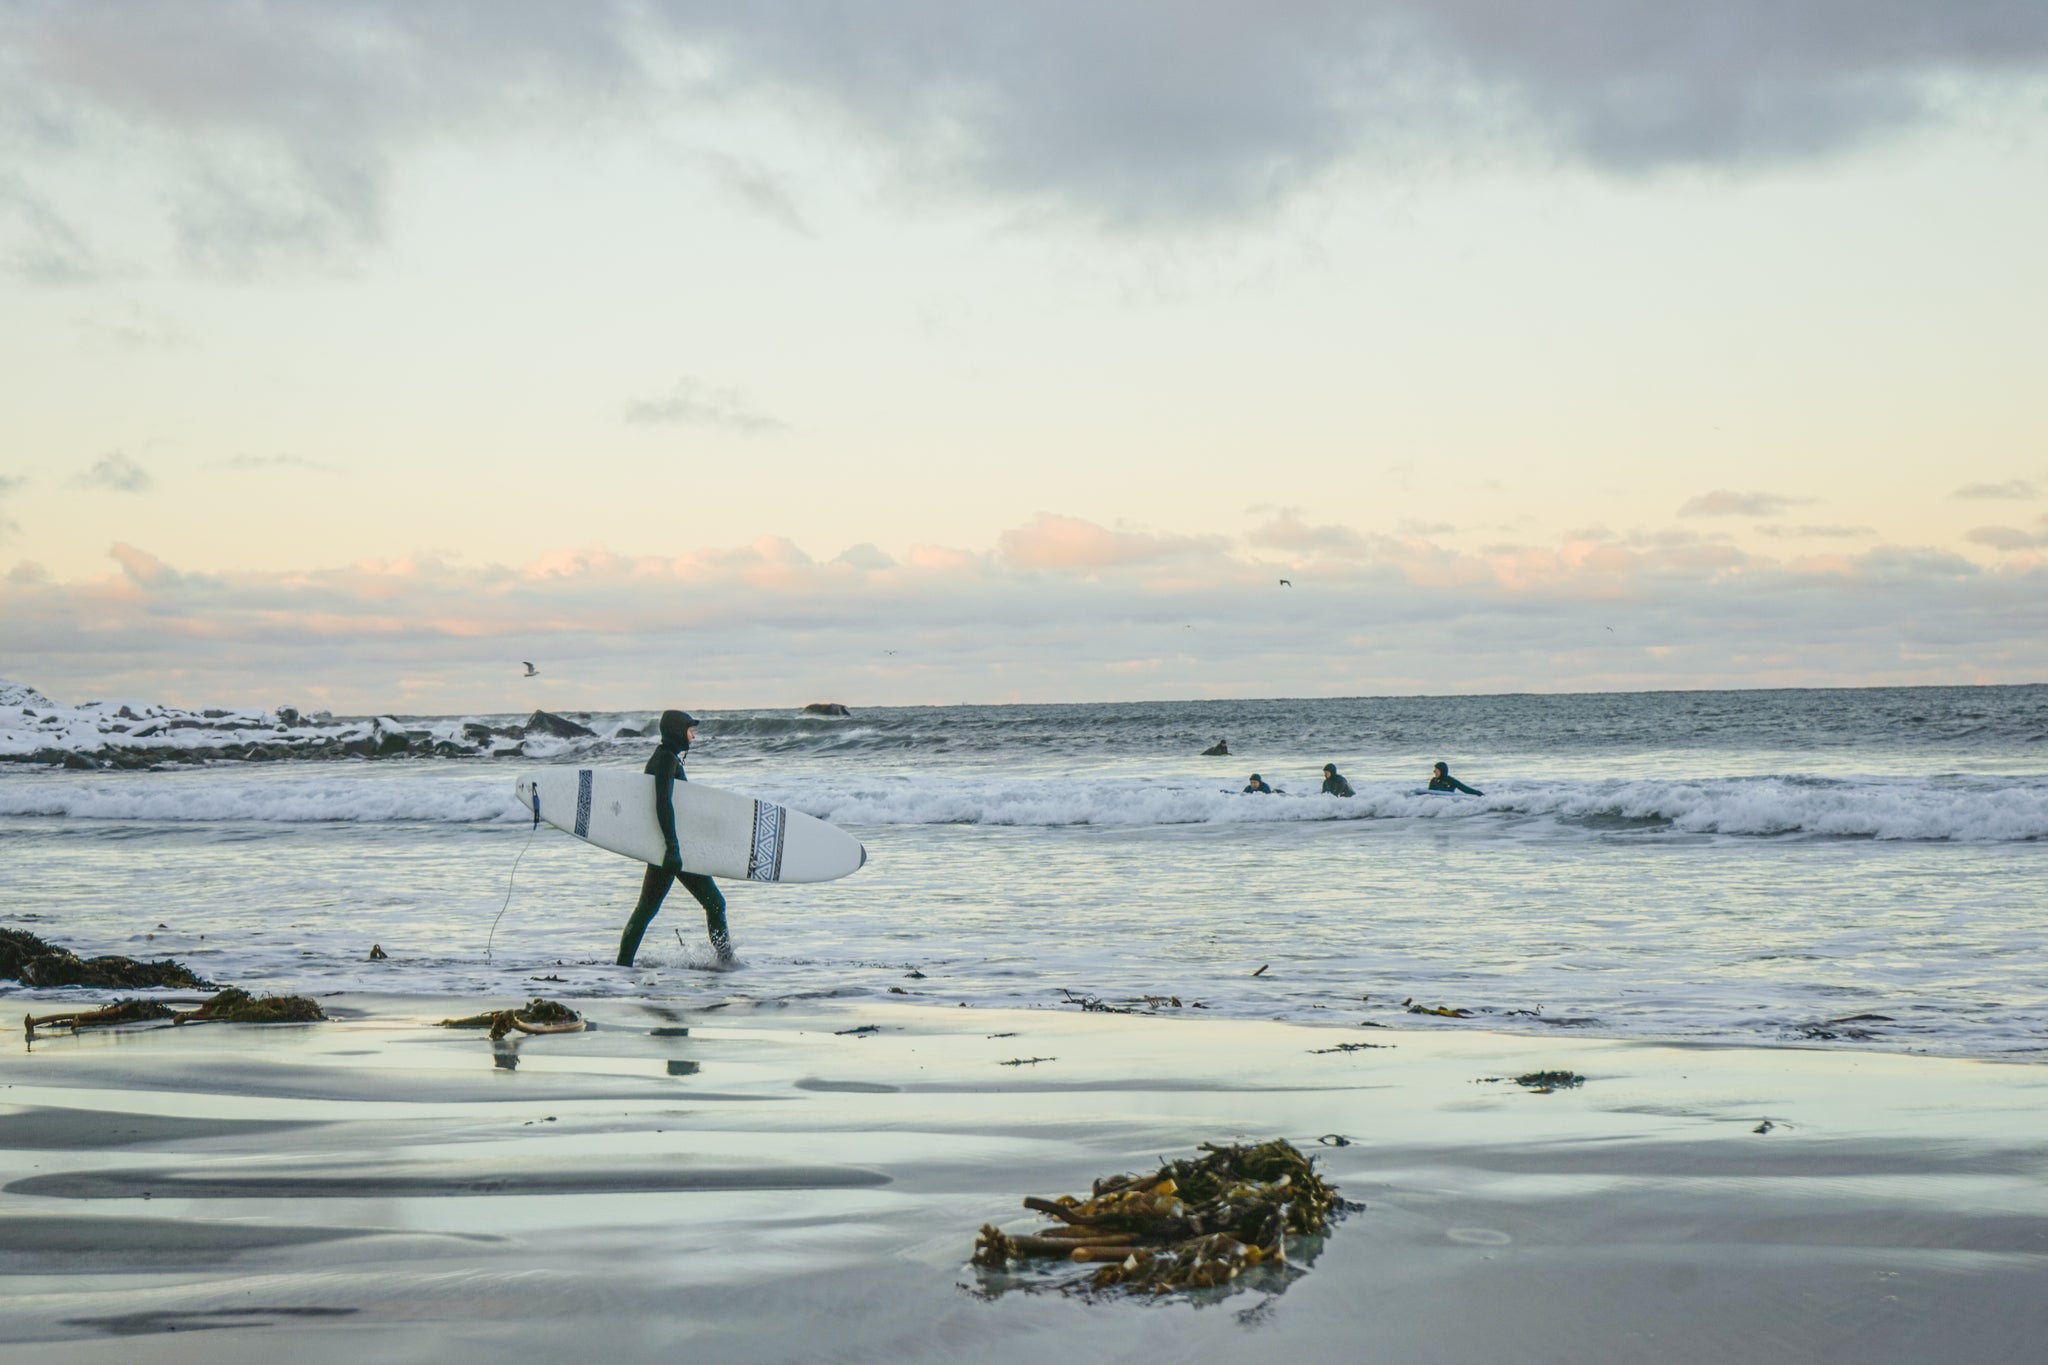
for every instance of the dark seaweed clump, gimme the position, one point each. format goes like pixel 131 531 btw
pixel 1192 1225
pixel 32 962
pixel 231 1006
pixel 237 1006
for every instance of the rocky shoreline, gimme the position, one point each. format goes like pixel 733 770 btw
pixel 36 730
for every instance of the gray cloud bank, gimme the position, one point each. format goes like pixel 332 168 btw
pixel 1059 609
pixel 1723 502
pixel 8 526
pixel 285 116
pixel 247 462
pixel 693 402
pixel 116 473
pixel 2012 490
pixel 2011 537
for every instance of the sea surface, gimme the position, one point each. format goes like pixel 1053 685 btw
pixel 1864 868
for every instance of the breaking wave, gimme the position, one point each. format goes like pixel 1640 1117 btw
pixel 1957 809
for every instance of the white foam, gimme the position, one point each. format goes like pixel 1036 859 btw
pixel 1961 809
pixel 295 798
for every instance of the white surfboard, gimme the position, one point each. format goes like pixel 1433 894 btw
pixel 720 834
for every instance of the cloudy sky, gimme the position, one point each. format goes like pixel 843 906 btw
pixel 920 352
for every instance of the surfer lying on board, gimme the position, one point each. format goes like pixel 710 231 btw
pixel 1334 783
pixel 1257 784
pixel 1442 781
pixel 678 728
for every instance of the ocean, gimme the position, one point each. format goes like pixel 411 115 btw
pixel 1848 869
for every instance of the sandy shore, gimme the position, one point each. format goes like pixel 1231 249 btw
pixel 770 1187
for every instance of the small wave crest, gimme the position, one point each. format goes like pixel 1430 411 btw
pixel 1960 809
pixel 310 801
pixel 1968 810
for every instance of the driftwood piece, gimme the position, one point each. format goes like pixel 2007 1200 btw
pixel 535 1016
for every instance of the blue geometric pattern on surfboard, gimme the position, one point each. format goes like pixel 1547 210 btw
pixel 583 777
pixel 764 863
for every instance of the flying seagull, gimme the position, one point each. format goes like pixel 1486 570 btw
pixel 1286 583
pixel 531 671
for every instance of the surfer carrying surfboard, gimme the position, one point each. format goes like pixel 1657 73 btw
pixel 678 728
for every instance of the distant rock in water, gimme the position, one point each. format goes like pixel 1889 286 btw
pixel 1217 750
pixel 826 708
pixel 548 723
pixel 389 737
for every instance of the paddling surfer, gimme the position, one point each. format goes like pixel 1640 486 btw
pixel 1334 783
pixel 678 728
pixel 1440 780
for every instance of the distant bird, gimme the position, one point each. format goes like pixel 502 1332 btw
pixel 1608 629
pixel 1286 583
pixel 531 671
pixel 888 651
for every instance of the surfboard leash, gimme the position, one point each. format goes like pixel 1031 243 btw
pixel 513 875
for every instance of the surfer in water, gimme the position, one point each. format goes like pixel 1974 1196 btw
pixel 1257 784
pixel 1334 783
pixel 678 728
pixel 1441 781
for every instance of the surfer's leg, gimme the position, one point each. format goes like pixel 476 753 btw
pixel 653 887
pixel 713 900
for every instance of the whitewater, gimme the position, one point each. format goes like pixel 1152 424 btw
pixel 1827 868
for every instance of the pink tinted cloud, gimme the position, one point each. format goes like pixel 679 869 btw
pixel 142 568
pixel 951 624
pixel 1070 545
pixel 1285 530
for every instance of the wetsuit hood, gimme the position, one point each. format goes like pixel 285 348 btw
pixel 675 729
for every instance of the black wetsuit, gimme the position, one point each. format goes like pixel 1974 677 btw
pixel 1444 782
pixel 666 767
pixel 1257 788
pixel 1335 785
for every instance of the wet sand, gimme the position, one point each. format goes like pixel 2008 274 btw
pixel 769 1187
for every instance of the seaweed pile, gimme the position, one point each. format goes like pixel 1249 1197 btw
pixel 231 1006
pixel 535 1016
pixel 1191 1225
pixel 33 962
pixel 1541 1082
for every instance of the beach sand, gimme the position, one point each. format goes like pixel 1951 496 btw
pixel 770 1187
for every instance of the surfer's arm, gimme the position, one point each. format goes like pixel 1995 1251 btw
pixel 665 809
pixel 1456 785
